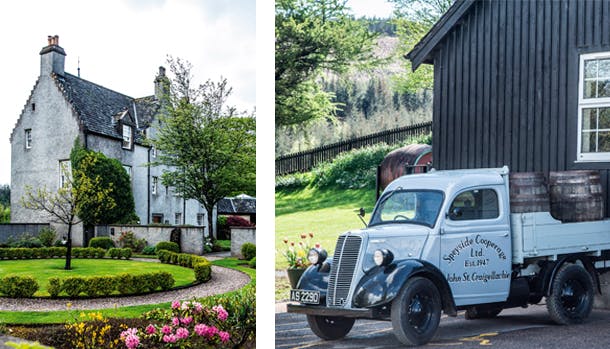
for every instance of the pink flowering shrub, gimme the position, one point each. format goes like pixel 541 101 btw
pixel 185 325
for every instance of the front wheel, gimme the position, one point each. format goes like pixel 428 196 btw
pixel 416 312
pixel 330 327
pixel 571 298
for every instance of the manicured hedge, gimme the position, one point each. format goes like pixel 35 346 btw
pixel 50 252
pixel 16 286
pixel 201 266
pixel 101 242
pixel 248 250
pixel 124 284
pixel 119 253
pixel 168 246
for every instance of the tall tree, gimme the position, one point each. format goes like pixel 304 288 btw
pixel 112 176
pixel 413 19
pixel 312 36
pixel 64 205
pixel 5 195
pixel 208 147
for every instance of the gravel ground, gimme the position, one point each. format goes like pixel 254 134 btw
pixel 223 280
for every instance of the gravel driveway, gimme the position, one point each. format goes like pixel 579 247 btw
pixel 223 280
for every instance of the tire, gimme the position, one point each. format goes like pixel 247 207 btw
pixel 330 327
pixel 481 312
pixel 571 298
pixel 416 312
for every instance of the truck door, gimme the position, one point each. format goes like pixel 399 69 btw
pixel 476 246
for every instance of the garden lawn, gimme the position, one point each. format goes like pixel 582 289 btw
pixel 43 269
pixel 324 212
pixel 55 317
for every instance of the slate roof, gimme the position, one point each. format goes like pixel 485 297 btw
pixel 97 106
pixel 237 205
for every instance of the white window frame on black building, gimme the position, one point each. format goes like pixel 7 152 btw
pixel 28 138
pixel 127 137
pixel 594 107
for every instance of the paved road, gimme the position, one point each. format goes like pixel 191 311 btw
pixel 513 328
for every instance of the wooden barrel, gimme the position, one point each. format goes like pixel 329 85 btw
pixel 400 161
pixel 528 192
pixel 576 196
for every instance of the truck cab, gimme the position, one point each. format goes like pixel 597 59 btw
pixel 439 241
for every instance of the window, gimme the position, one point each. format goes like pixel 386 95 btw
pixel 408 206
pixel 33 106
pixel 157 218
pixel 594 107
pixel 155 183
pixel 200 218
pixel 178 218
pixel 127 137
pixel 128 170
pixel 65 171
pixel 28 138
pixel 475 204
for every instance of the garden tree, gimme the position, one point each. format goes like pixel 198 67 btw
pixel 209 148
pixel 413 19
pixel 5 195
pixel 79 190
pixel 5 214
pixel 112 176
pixel 312 36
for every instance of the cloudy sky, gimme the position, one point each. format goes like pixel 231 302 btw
pixel 121 44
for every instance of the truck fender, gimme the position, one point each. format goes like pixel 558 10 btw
pixel 382 284
pixel 315 278
pixel 549 276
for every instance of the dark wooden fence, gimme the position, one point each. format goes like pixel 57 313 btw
pixel 306 160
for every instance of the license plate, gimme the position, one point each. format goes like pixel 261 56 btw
pixel 305 297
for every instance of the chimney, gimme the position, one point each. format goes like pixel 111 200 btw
pixel 52 57
pixel 161 84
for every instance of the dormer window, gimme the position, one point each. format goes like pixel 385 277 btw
pixel 127 137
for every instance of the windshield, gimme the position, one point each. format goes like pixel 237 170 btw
pixel 408 206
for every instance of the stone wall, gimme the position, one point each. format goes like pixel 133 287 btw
pixel 17 230
pixel 191 237
pixel 239 236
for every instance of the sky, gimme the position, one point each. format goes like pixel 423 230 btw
pixel 121 44
pixel 370 8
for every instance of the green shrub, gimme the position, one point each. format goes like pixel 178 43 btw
pixel 26 240
pixel 125 283
pixel 16 286
pixel 128 239
pixel 102 242
pixel 252 263
pixel 54 287
pixel 74 286
pixel 248 250
pixel 164 256
pixel 201 266
pixel 203 270
pixel 165 280
pixel 126 253
pixel 148 250
pixel 168 246
pixel 47 236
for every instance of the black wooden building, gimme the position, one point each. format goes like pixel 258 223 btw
pixel 521 83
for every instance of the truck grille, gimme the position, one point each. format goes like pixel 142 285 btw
pixel 342 270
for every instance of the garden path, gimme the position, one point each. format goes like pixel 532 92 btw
pixel 223 280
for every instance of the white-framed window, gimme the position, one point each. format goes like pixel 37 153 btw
pixel 155 184
pixel 594 107
pixel 178 218
pixel 153 151
pixel 200 219
pixel 65 171
pixel 28 138
pixel 127 137
pixel 128 170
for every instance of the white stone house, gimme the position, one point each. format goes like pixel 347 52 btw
pixel 62 107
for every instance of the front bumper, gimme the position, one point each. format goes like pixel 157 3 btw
pixel 327 311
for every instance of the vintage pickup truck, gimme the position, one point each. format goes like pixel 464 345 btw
pixel 447 241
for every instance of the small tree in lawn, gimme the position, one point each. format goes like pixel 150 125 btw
pixel 210 149
pixel 64 204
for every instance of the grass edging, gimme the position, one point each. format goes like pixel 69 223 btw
pixel 134 311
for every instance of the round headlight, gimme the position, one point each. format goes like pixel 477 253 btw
pixel 316 256
pixel 383 257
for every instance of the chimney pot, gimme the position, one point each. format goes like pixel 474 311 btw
pixel 161 71
pixel 50 40
pixel 56 40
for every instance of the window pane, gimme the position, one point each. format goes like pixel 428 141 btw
pixel 604 118
pixel 604 68
pixel 590 89
pixel 589 119
pixel 475 204
pixel 603 88
pixel 603 142
pixel 591 69
pixel 588 142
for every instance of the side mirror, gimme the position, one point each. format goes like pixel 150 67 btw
pixel 361 212
pixel 455 213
